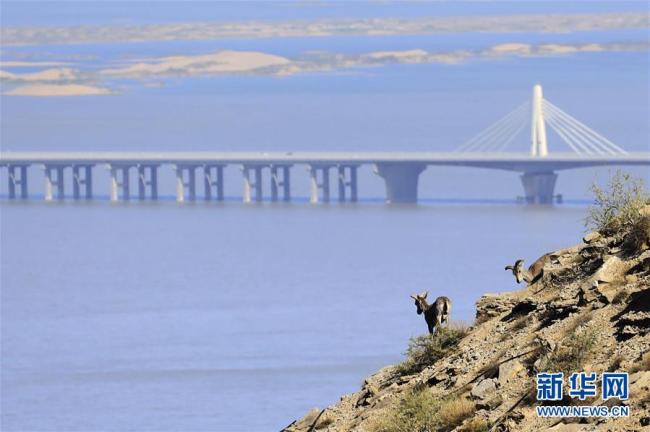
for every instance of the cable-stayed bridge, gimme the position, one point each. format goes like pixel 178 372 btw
pixel 400 170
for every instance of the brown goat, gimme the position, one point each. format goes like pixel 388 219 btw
pixel 434 314
pixel 534 272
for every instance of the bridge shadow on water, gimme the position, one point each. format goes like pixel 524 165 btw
pixel 295 200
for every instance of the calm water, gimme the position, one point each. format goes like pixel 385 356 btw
pixel 224 317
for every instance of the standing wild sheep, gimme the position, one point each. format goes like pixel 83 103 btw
pixel 434 314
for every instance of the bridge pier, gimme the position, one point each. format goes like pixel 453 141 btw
pixel 324 184
pixel 347 181
pixel 401 180
pixel 213 182
pixel 79 180
pixel 150 182
pixel 181 184
pixel 52 181
pixel 539 187
pixel 116 183
pixel 249 184
pixel 278 182
pixel 16 181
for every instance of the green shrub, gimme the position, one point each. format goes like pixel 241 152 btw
pixel 618 206
pixel 425 350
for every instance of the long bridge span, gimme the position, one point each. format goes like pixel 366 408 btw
pixel 400 170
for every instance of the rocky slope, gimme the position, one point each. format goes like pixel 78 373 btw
pixel 589 311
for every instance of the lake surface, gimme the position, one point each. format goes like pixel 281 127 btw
pixel 225 317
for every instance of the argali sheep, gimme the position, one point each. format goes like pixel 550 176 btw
pixel 534 272
pixel 434 314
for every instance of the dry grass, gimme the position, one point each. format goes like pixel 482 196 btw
pixel 638 238
pixel 579 321
pixel 419 411
pixel 453 412
pixel 620 297
pixel 642 365
pixel 415 413
pixel 572 355
pixel 461 326
pixel 475 425
pixel 615 364
pixel 323 422
pixel 491 368
pixel 518 324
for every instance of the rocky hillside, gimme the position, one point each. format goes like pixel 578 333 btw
pixel 589 311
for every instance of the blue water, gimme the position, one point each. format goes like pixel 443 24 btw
pixel 204 317
pixel 225 317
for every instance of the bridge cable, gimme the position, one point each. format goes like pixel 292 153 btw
pixel 522 125
pixel 515 127
pixel 602 141
pixel 553 122
pixel 596 146
pixel 492 129
pixel 569 135
pixel 484 139
pixel 507 130
pixel 584 141
pixel 590 148
pixel 584 129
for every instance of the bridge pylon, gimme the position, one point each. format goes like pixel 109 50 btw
pixel 539 146
pixel 537 114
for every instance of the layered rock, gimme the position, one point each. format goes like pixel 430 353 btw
pixel 595 291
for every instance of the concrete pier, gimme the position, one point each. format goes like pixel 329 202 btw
pixel 213 181
pixel 116 183
pixel 181 184
pixel 400 171
pixel 147 182
pixel 323 184
pixel 282 182
pixel 17 181
pixel 250 184
pixel 347 178
pixel 539 187
pixel 52 181
pixel 401 180
pixel 82 177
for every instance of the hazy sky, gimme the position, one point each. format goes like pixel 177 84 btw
pixel 306 75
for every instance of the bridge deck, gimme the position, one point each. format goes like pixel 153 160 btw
pixel 507 161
